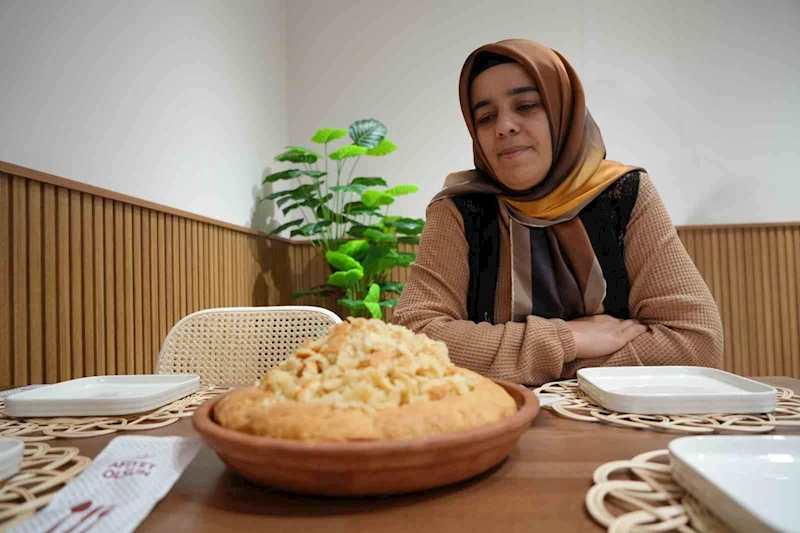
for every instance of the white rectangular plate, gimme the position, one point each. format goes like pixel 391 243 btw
pixel 752 483
pixel 675 390
pixel 11 452
pixel 103 395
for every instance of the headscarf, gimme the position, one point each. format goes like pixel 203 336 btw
pixel 555 273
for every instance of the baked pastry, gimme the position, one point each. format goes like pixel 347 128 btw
pixel 365 380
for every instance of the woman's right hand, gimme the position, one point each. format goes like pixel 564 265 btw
pixel 602 335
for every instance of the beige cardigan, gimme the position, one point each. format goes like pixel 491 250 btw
pixel 667 294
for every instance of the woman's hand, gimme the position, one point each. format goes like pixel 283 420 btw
pixel 601 335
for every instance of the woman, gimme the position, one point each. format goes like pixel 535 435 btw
pixel 547 257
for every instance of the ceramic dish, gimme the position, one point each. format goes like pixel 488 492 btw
pixel 752 483
pixel 103 395
pixel 675 390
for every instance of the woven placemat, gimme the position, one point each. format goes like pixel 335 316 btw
pixel 44 471
pixel 645 497
pixel 576 405
pixel 42 429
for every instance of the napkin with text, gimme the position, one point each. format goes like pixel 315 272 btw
pixel 119 489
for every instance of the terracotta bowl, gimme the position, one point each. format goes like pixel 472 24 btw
pixel 362 468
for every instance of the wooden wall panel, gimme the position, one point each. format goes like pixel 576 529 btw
pixel 91 282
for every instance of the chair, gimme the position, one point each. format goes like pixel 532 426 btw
pixel 237 345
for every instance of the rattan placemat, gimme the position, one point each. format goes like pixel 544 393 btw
pixel 44 471
pixel 644 497
pixel 576 405
pixel 42 429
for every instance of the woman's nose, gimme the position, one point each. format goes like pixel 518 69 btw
pixel 506 127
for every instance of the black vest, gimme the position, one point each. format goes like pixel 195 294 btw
pixel 605 219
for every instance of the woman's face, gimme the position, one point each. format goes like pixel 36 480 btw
pixel 512 126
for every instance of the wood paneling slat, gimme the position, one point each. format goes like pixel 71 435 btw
pixel 176 275
pixel 137 287
pixel 784 325
pixel 35 285
pixel 87 268
pixel 6 365
pixel 51 353
pixel 129 299
pixel 163 290
pixel 155 331
pixel 731 318
pixel 119 287
pixel 169 275
pixel 76 283
pixel 792 259
pixel 752 309
pixel 110 292
pixel 64 306
pixel 796 322
pixel 766 289
pixel 147 335
pixel 743 337
pixel 99 286
pixel 182 278
pixel 759 303
pixel 193 263
pixel 19 279
pixel 203 266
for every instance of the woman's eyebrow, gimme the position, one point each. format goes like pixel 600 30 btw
pixel 512 92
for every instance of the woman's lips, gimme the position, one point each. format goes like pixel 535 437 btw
pixel 515 153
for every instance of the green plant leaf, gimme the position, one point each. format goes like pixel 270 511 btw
pixel 369 182
pixel 285 226
pixel 375 261
pixel 346 278
pixel 392 286
pixel 374 309
pixel 409 226
pixel 342 261
pixel 276 195
pixel 385 147
pixel 353 188
pixel 348 151
pixel 303 192
pixel 293 173
pixel 355 248
pixel 378 236
pixel 304 150
pixel 404 259
pixel 314 173
pixel 283 175
pixel 373 198
pixel 350 304
pixel 389 303
pixel 402 190
pixel 314 228
pixel 283 200
pixel 358 208
pixel 408 240
pixel 391 220
pixel 367 133
pixel 298 155
pixel 292 207
pixel 325 213
pixel 324 136
pixel 373 294
pixel 310 201
pixel 319 290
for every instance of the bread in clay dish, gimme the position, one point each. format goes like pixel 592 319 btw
pixel 365 380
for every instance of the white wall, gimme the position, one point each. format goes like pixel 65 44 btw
pixel 702 94
pixel 181 102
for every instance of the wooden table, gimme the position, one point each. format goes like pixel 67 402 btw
pixel 541 487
